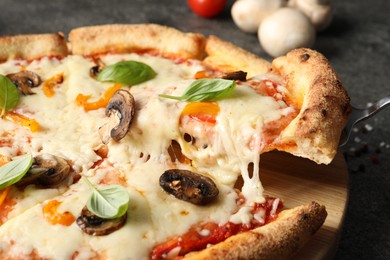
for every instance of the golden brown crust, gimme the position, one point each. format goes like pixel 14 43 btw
pixel 323 102
pixel 32 46
pixel 314 133
pixel 227 57
pixel 121 38
pixel 277 240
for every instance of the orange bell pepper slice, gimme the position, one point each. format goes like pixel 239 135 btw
pixel 51 83
pixel 202 74
pixel 202 111
pixel 82 100
pixel 3 194
pixel 4 160
pixel 54 217
pixel 22 120
pixel 6 203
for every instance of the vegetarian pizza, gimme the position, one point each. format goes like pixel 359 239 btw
pixel 144 142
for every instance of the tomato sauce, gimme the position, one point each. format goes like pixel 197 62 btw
pixel 199 236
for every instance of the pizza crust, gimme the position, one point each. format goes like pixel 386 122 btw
pixel 279 239
pixel 314 133
pixel 32 46
pixel 121 38
pixel 324 105
pixel 227 57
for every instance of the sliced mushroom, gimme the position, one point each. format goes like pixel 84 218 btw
pixel 25 80
pixel 189 186
pixel 48 171
pixel 97 226
pixel 120 111
pixel 176 154
pixel 249 14
pixel 235 75
pixel 95 70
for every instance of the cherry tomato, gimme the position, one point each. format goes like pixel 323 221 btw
pixel 207 8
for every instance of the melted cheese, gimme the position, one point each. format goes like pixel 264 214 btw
pixel 140 158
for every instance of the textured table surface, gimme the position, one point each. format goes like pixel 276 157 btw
pixel 357 44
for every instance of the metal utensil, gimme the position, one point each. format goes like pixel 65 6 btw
pixel 358 114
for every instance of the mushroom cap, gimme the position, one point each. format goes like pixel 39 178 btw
pixel 285 30
pixel 248 14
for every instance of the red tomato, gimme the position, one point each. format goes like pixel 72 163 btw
pixel 207 8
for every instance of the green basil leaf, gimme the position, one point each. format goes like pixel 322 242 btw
pixel 127 73
pixel 206 90
pixel 13 171
pixel 108 203
pixel 9 95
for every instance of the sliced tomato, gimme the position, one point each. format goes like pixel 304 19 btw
pixel 207 8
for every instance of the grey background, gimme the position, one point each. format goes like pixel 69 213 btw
pixel 357 44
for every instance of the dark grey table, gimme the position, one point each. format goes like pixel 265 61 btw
pixel 357 45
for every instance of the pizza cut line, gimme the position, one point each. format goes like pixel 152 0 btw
pixel 136 138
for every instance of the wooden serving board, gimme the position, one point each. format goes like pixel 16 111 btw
pixel 299 181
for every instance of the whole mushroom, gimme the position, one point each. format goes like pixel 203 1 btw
pixel 285 30
pixel 319 11
pixel 248 14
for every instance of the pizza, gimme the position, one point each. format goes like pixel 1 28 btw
pixel 143 142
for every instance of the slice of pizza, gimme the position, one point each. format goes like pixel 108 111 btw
pixel 141 141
